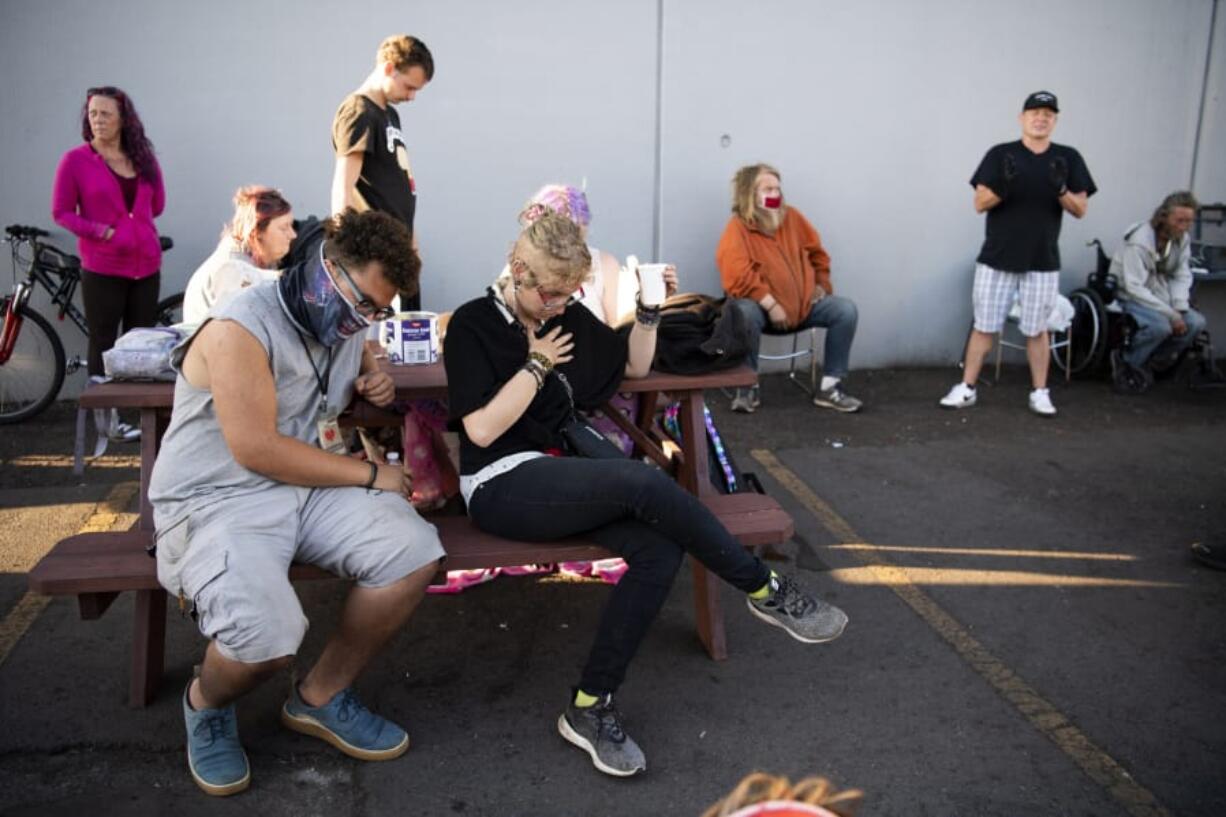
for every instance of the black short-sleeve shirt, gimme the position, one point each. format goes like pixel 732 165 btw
pixel 484 348
pixel 1023 231
pixel 386 180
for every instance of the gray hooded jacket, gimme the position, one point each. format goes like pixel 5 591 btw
pixel 1159 281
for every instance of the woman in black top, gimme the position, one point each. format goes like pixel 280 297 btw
pixel 519 363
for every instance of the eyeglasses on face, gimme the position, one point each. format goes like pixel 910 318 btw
pixel 549 300
pixel 364 305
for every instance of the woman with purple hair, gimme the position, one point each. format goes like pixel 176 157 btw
pixel 107 192
pixel 602 289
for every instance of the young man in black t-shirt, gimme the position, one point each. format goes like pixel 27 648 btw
pixel 1025 187
pixel 372 163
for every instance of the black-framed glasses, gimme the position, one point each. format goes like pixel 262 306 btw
pixel 551 300
pixel 365 306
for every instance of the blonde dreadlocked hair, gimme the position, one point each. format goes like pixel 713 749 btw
pixel 759 787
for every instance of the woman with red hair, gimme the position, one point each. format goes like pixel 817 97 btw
pixel 250 251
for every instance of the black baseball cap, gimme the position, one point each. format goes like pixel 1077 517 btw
pixel 1041 99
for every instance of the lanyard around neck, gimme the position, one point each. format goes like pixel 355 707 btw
pixel 321 378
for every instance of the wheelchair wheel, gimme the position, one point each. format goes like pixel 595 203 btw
pixel 1088 332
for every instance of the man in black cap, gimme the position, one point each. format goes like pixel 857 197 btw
pixel 1025 187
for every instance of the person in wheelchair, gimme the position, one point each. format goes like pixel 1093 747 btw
pixel 1155 281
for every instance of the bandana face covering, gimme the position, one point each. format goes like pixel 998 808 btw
pixel 311 300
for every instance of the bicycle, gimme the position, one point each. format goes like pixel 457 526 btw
pixel 32 360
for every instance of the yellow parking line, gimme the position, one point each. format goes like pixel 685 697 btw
pixel 1049 721
pixel 105 516
pixel 1005 553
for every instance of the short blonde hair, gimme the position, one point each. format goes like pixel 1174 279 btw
pixel 560 248
pixel 744 203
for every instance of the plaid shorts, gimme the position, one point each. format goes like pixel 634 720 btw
pixel 994 293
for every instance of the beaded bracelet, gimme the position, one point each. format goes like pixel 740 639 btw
pixel 647 316
pixel 538 358
pixel 537 366
pixel 532 368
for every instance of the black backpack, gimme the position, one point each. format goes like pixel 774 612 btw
pixel 698 334
pixel 310 231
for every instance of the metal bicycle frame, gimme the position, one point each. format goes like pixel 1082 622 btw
pixel 61 293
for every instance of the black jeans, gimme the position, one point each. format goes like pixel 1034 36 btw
pixel 634 510
pixel 110 299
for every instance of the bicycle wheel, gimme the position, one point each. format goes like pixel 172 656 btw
pixel 1088 331
pixel 170 310
pixel 32 376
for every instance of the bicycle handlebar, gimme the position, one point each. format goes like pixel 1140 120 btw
pixel 22 232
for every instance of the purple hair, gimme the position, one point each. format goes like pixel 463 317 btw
pixel 132 140
pixel 562 199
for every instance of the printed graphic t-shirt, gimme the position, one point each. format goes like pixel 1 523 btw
pixel 386 180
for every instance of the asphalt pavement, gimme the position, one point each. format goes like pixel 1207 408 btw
pixel 1028 635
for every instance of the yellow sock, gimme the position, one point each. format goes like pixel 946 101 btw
pixel 765 590
pixel 583 700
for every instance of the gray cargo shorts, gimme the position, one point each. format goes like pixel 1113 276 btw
pixel 231 558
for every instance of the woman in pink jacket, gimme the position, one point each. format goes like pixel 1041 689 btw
pixel 107 192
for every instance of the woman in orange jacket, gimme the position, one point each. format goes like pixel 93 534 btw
pixel 775 271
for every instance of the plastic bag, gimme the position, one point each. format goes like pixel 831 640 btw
pixel 143 354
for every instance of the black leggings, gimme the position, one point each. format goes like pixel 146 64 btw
pixel 634 510
pixel 110 299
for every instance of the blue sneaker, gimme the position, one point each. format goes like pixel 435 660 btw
pixel 214 756
pixel 346 724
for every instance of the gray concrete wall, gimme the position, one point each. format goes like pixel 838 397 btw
pixel 876 112
pixel 1209 182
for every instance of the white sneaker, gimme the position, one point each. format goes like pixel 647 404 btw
pixel 960 396
pixel 743 401
pixel 1040 403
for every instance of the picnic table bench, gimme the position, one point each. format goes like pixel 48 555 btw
pixel 96 567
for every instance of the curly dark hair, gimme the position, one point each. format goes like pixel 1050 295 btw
pixel 359 238
pixel 132 140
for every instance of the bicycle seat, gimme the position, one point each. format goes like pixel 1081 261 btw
pixel 56 260
pixel 22 232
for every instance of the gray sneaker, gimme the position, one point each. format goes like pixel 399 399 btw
pixel 837 399
pixel 805 618
pixel 744 401
pixel 598 730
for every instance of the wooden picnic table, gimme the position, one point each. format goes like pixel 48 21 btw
pixel 755 520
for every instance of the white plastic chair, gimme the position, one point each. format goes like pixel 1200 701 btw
pixel 1056 323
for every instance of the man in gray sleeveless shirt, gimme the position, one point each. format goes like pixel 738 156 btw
pixel 252 476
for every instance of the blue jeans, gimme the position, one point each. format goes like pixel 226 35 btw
pixel 634 510
pixel 1154 333
pixel 837 315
